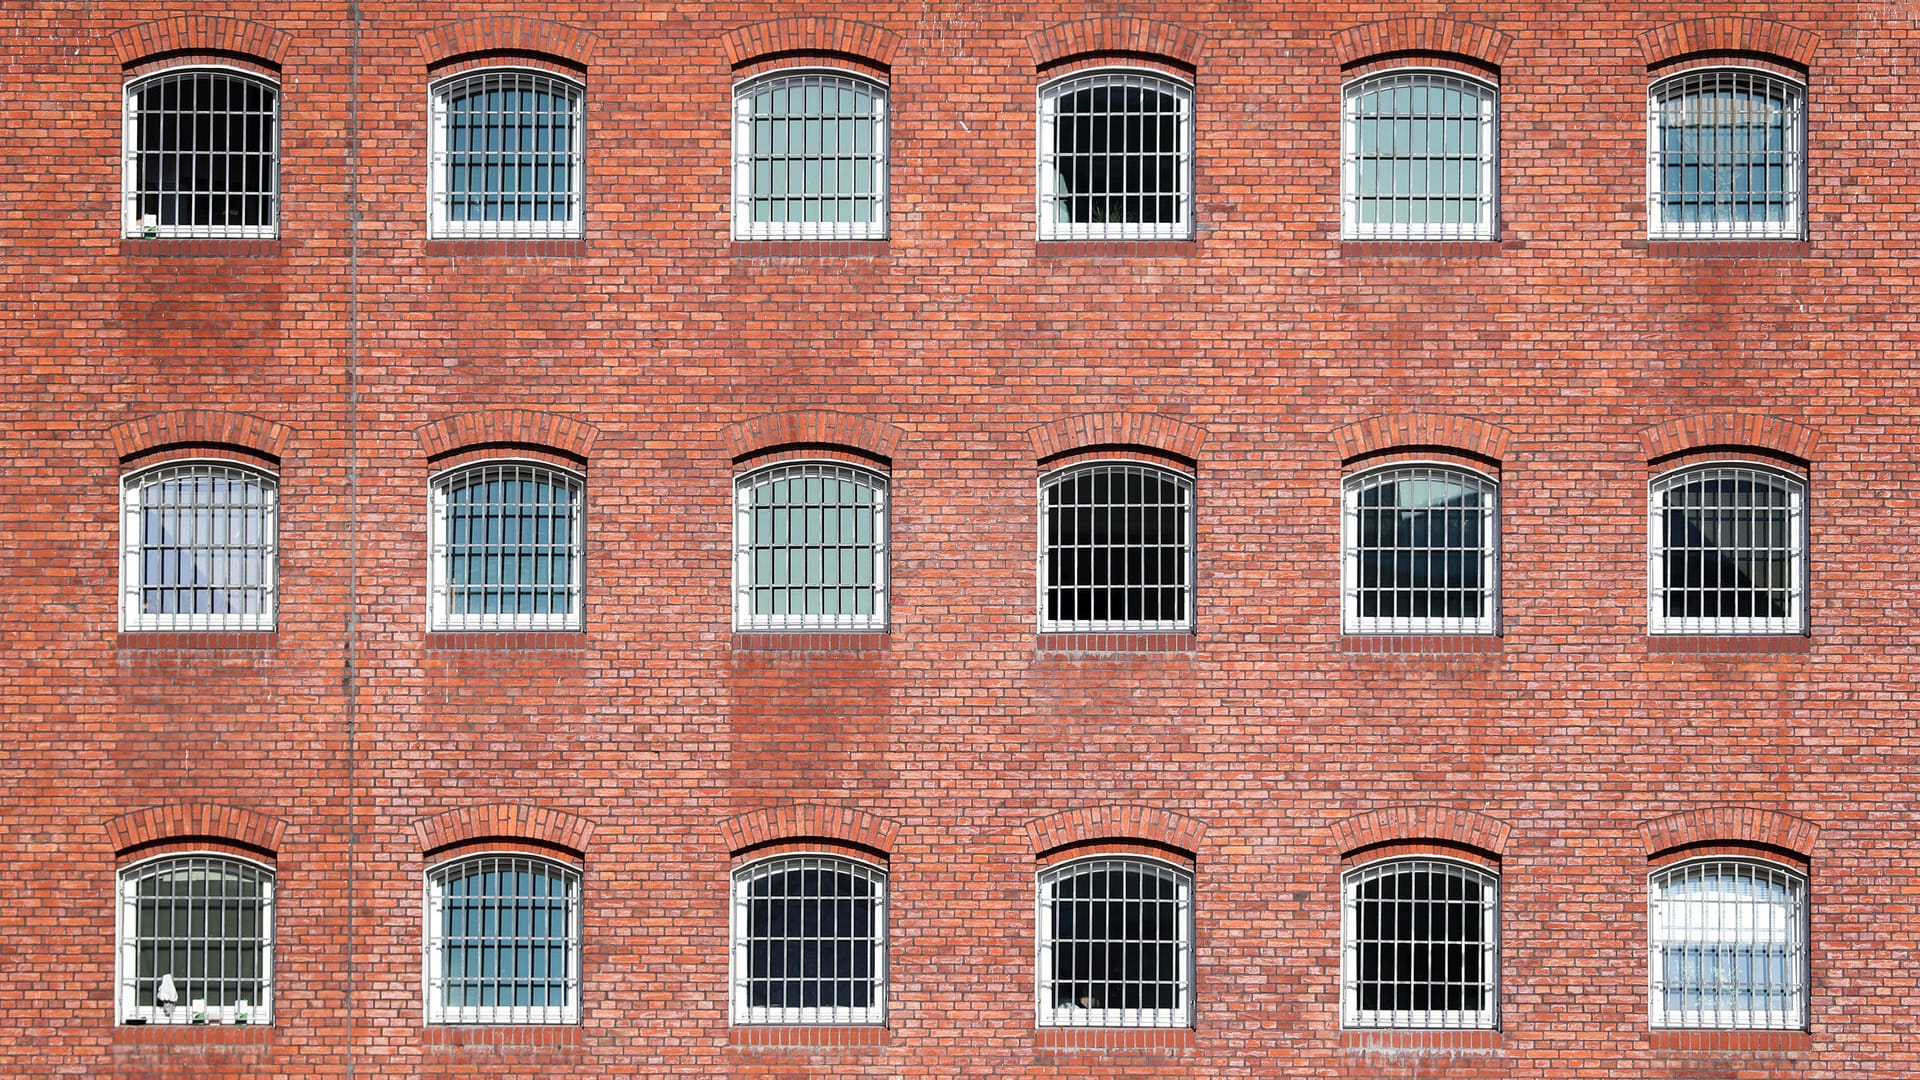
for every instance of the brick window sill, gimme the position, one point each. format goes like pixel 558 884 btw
pixel 1427 249
pixel 806 641
pixel 196 641
pixel 1725 1042
pixel 200 247
pixel 1724 249
pixel 1099 1038
pixel 802 1036
pixel 1487 645
pixel 1731 644
pixel 809 249
pixel 1097 643
pixel 215 1035
pixel 1417 1040
pixel 1116 249
pixel 459 641
pixel 555 247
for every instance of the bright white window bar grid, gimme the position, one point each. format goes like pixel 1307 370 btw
pixel 810 549
pixel 1116 550
pixel 1419 153
pixel 809 942
pixel 1422 552
pixel 810 158
pixel 202 155
pixel 199 549
pixel 1115 945
pixel 1728 553
pixel 503 942
pixel 1728 946
pixel 506 549
pixel 506 156
pixel 1725 156
pixel 1421 946
pixel 203 926
pixel 1116 158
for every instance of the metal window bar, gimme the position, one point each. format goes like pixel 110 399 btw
pixel 1422 946
pixel 1422 552
pixel 1728 552
pixel 1419 156
pixel 810 158
pixel 503 942
pixel 1727 946
pixel 809 942
pixel 1116 158
pixel 199 548
pixel 1725 155
pixel 202 155
pixel 1116 549
pixel 1115 945
pixel 507 542
pixel 810 549
pixel 506 156
pixel 196 934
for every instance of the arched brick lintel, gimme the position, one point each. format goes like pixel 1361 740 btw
pixel 1707 431
pixel 508 427
pixel 196 821
pixel 1116 821
pixel 1730 824
pixel 1389 431
pixel 508 34
pixel 199 427
pixel 1422 822
pixel 1090 431
pixel 812 427
pixel 809 821
pixel 201 34
pixel 1418 34
pixel 1729 34
pixel 780 37
pixel 504 821
pixel 1117 36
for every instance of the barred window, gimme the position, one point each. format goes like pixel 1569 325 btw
pixel 503 942
pixel 202 155
pixel 1725 155
pixel 1116 158
pixel 1419 152
pixel 506 543
pixel 196 941
pixel 1728 552
pixel 1116 549
pixel 810 157
pixel 1116 945
pixel 1421 946
pixel 505 156
pixel 1728 946
pixel 810 548
pixel 198 548
pixel 1422 551
pixel 809 942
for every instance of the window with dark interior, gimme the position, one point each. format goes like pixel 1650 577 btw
pixel 1116 157
pixel 809 941
pixel 1116 549
pixel 196 941
pixel 1421 946
pixel 1116 944
pixel 1728 551
pixel 202 155
pixel 1422 551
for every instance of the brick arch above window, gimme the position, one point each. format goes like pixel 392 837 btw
pixel 1096 431
pixel 809 821
pixel 1730 825
pixel 200 428
pixel 1116 821
pixel 200 34
pixel 196 821
pixel 1728 35
pixel 508 35
pixel 1424 821
pixel 1726 430
pixel 1115 36
pixel 507 427
pixel 504 821
pixel 1413 430
pixel 810 36
pixel 1421 35
pixel 812 428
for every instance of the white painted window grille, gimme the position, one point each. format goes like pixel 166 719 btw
pixel 810 157
pixel 1116 158
pixel 1422 552
pixel 1728 946
pixel 505 159
pixel 1728 552
pixel 196 941
pixel 202 155
pixel 1116 549
pixel 506 544
pixel 1115 940
pixel 503 942
pixel 809 942
pixel 810 548
pixel 1726 155
pixel 1421 946
pixel 1419 149
pixel 198 548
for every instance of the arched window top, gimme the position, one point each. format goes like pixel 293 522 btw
pixel 1421 945
pixel 1115 942
pixel 1116 156
pixel 1727 941
pixel 810 547
pixel 1419 147
pixel 199 547
pixel 1726 155
pixel 196 941
pixel 810 155
pixel 506 155
pixel 507 542
pixel 201 154
pixel 503 941
pixel 1116 548
pixel 1421 545
pixel 1727 551
pixel 809 941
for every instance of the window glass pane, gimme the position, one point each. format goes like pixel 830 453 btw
pixel 1421 551
pixel 511 533
pixel 503 939
pixel 204 155
pixel 1417 155
pixel 1729 555
pixel 1115 157
pixel 201 929
pixel 1117 549
pixel 810 941
pixel 1420 947
pixel 1728 946
pixel 811 150
pixel 1115 944
pixel 510 156
pixel 812 547
pixel 1727 154
pixel 205 554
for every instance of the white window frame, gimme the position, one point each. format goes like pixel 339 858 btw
pixel 739 956
pixel 1049 1015
pixel 433 947
pixel 745 228
pixel 440 225
pixel 133 553
pixel 1488 200
pixel 1352 621
pixel 1352 1015
pixel 1794 1017
pixel 1046 199
pixel 440 614
pixel 127 1008
pixel 1184 623
pixel 1793 227
pixel 744 547
pixel 1794 622
pixel 132 222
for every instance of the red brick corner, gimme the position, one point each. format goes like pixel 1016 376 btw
pixel 195 821
pixel 200 427
pixel 1392 431
pixel 812 427
pixel 1116 821
pixel 508 427
pixel 1115 35
pixel 1730 825
pixel 809 821
pixel 504 821
pixel 200 34
pixel 1092 431
pixel 1421 34
pixel 1728 34
pixel 508 34
pixel 1707 431
pixel 1423 821
pixel 783 37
